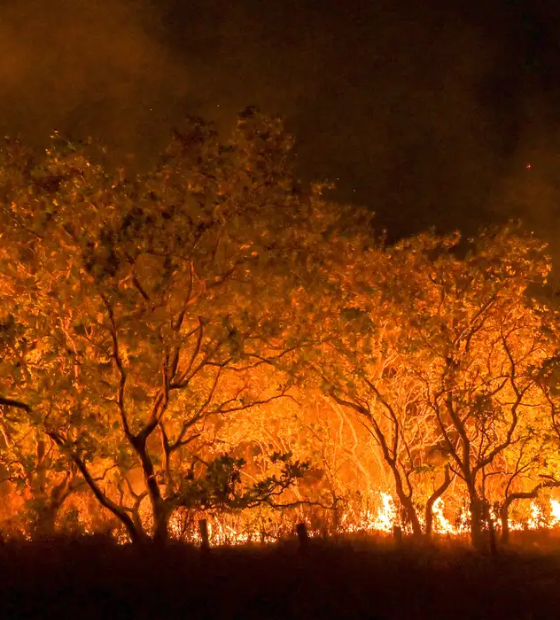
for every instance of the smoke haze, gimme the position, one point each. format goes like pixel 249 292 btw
pixel 96 67
pixel 429 115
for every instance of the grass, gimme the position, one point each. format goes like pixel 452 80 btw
pixel 81 579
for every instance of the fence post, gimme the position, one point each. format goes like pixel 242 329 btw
pixel 303 537
pixel 398 536
pixel 204 538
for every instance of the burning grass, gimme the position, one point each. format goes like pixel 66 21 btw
pixel 265 527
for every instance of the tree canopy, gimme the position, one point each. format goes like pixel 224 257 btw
pixel 215 335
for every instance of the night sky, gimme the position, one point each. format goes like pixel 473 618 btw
pixel 428 112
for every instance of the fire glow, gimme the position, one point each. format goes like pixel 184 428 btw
pixel 384 521
pixel 184 366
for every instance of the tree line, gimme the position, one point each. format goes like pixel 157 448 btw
pixel 216 335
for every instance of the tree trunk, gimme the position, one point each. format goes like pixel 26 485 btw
pixel 477 518
pixel 161 523
pixel 504 510
pixel 412 517
pixel 409 509
pixel 429 516
pixel 160 512
pixel 504 519
pixel 46 521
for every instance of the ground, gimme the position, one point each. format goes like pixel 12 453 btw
pixel 344 579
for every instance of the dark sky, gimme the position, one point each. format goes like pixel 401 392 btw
pixel 427 111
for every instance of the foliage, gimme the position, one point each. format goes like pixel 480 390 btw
pixel 167 340
pixel 222 486
pixel 138 305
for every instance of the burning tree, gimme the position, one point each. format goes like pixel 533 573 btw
pixel 527 467
pixel 361 366
pixel 142 314
pixel 475 341
pixel 141 304
pixel 436 347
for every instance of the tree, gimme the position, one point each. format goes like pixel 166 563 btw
pixel 362 368
pixel 474 340
pixel 434 345
pixel 527 468
pixel 141 304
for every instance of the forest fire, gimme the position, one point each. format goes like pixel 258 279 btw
pixel 176 347
pixel 230 391
pixel 227 531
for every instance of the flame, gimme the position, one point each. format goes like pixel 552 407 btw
pixel 536 519
pixel 225 530
pixel 387 515
pixel 554 512
pixel 441 523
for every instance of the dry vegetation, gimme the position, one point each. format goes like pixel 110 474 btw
pixel 213 339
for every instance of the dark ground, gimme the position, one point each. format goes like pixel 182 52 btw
pixel 350 579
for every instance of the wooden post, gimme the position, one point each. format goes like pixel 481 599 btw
pixel 491 530
pixel 204 539
pixel 397 534
pixel 303 537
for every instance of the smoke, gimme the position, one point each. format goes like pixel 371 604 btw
pixel 400 104
pixel 97 67
pixel 426 114
pixel 529 186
